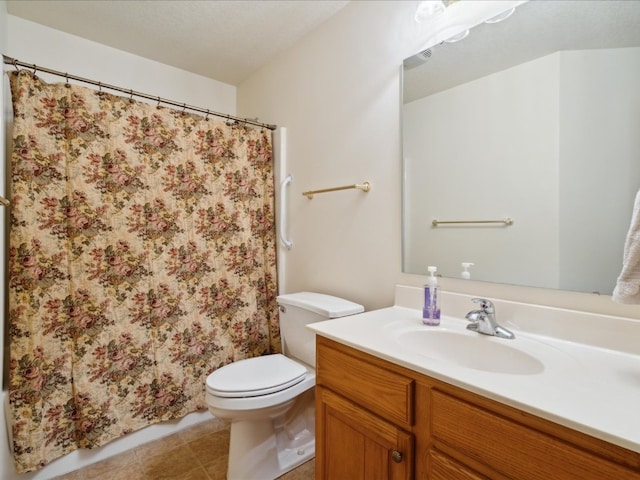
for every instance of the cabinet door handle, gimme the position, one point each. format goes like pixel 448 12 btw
pixel 396 456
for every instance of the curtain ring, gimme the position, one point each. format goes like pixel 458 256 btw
pixel 184 107
pixel 35 69
pixel 15 64
pixel 66 76
pixel 100 87
pixel 131 96
pixel 158 105
pixel 206 117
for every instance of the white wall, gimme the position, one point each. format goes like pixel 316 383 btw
pixel 33 43
pixel 588 84
pixel 40 45
pixel 514 174
pixel 565 104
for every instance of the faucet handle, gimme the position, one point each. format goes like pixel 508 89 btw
pixel 485 305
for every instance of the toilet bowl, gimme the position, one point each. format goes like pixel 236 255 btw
pixel 269 436
pixel 269 400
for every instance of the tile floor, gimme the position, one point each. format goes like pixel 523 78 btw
pixel 197 453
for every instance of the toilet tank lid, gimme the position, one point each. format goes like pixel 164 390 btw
pixel 325 305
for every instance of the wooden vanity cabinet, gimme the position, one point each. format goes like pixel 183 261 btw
pixel 376 420
pixel 359 445
pixel 364 416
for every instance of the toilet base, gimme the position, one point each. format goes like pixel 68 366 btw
pixel 268 448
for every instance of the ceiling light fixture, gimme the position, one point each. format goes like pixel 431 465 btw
pixel 428 9
pixel 501 16
pixel 457 37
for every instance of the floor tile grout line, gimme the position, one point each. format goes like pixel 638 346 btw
pixel 199 467
pixel 202 467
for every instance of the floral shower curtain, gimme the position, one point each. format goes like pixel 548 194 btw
pixel 142 257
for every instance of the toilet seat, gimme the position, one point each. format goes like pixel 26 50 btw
pixel 253 377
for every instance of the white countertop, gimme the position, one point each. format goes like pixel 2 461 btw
pixel 583 386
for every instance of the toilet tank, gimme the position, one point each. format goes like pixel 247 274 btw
pixel 298 310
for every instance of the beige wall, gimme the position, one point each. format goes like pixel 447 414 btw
pixel 338 93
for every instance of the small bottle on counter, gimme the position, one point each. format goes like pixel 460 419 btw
pixel 431 309
pixel 466 274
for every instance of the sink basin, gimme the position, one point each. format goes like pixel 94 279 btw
pixel 470 350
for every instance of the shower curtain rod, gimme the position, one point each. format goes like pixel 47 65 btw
pixel 132 93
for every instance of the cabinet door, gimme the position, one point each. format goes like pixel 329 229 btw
pixel 354 444
pixel 443 467
pixel 487 437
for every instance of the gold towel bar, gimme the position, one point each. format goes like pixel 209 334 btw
pixel 365 187
pixel 4 201
pixel 506 221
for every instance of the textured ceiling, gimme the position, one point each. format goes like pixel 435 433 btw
pixel 223 40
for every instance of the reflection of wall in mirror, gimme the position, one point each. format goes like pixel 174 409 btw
pixel 603 151
pixel 526 118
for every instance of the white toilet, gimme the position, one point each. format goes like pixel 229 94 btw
pixel 269 400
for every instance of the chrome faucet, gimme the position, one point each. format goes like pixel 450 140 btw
pixel 484 320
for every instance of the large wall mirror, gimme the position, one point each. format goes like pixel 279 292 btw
pixel 535 119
